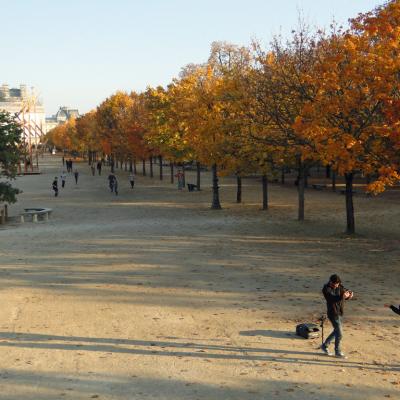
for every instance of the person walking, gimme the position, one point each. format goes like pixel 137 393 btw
pixel 115 185
pixel 55 186
pixel 76 175
pixel 132 179
pixel 99 164
pixel 93 168
pixel 63 178
pixel 335 295
pixel 111 179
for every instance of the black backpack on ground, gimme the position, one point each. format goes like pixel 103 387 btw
pixel 308 331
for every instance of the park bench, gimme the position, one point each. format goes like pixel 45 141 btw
pixel 318 186
pixel 191 187
pixel 35 213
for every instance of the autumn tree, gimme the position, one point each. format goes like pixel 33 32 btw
pixel 87 132
pixel 357 83
pixel 280 87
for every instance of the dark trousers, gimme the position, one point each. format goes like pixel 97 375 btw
pixel 132 184
pixel 337 332
pixel 63 183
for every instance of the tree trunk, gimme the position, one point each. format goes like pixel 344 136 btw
pixel 328 171
pixel 130 165
pixel 144 167
pixel 306 173
pixel 239 189
pixel 349 204
pixel 90 155
pixel 216 205
pixel 283 176
pixel 126 165
pixel 334 181
pixel 198 175
pixel 171 165
pixel 265 192
pixel 184 174
pixel 151 167
pixel 300 188
pixel 160 159
pixel 134 166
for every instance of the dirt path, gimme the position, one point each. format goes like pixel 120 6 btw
pixel 151 295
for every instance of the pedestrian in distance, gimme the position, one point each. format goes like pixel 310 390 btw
pixel 132 179
pixel 111 178
pixel 76 175
pixel 335 295
pixel 63 160
pixel 55 186
pixel 63 178
pixel 93 168
pixel 115 185
pixel 179 175
pixel 99 164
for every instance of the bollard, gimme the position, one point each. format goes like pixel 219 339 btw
pixel 2 217
pixel 22 219
pixel 34 218
pixel 6 211
pixel 46 217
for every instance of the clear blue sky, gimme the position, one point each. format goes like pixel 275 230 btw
pixel 78 52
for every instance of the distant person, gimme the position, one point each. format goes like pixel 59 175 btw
pixel 76 175
pixel 179 175
pixel 335 295
pixel 63 160
pixel 55 186
pixel 70 165
pixel 99 164
pixel 115 185
pixel 63 178
pixel 93 168
pixel 132 179
pixel 111 179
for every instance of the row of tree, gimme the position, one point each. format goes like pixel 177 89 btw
pixel 318 98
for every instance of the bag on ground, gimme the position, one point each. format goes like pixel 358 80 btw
pixel 308 331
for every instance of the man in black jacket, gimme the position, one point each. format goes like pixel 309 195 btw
pixel 335 294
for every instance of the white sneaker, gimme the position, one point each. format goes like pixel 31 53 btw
pixel 325 350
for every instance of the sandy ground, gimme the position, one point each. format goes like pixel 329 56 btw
pixel 152 295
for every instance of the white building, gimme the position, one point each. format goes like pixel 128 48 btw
pixel 27 108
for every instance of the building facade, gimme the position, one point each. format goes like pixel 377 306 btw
pixel 27 108
pixel 63 115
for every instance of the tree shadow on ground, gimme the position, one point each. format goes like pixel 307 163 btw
pixel 180 349
pixel 270 333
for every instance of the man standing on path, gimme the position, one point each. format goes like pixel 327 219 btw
pixel 55 186
pixel 63 178
pixel 335 294
pixel 132 179
pixel 76 175
pixel 93 168
pixel 99 167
